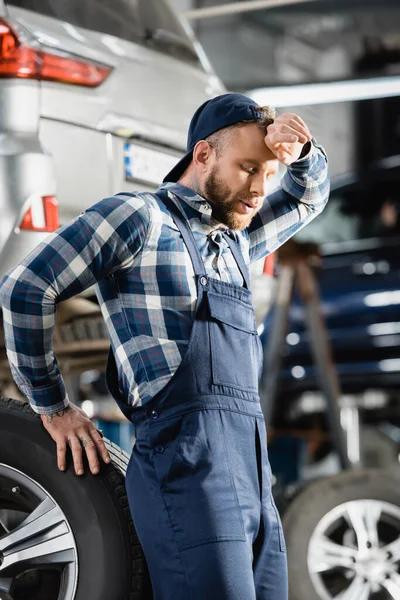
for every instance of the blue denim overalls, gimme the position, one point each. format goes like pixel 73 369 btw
pixel 199 481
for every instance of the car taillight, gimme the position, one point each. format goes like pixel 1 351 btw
pixel 42 215
pixel 269 265
pixel 19 60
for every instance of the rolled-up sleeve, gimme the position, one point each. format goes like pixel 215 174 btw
pixel 302 195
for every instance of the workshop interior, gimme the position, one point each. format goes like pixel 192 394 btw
pixel 96 98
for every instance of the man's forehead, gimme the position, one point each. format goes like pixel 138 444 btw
pixel 249 140
pixel 262 158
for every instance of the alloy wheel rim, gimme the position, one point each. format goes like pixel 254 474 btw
pixel 354 552
pixel 37 546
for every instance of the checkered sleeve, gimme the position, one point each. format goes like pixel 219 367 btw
pixel 303 193
pixel 103 240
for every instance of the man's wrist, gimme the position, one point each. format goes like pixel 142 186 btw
pixel 49 417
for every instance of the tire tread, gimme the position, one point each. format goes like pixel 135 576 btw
pixel 115 473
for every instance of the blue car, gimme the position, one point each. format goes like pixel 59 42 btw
pixel 359 282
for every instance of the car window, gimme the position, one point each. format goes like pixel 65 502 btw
pixel 355 213
pixel 150 22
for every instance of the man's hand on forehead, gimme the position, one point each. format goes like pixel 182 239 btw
pixel 286 137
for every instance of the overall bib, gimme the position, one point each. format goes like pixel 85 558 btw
pixel 199 481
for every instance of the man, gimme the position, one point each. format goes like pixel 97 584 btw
pixel 171 274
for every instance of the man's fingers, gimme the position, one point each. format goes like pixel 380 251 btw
pixel 91 452
pixel 100 445
pixel 285 159
pixel 294 129
pixel 89 442
pixel 300 121
pixel 284 155
pixel 286 133
pixel 289 124
pixel 61 455
pixel 73 427
pixel 274 139
pixel 296 122
pixel 76 449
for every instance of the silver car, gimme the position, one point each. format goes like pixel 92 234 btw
pixel 95 98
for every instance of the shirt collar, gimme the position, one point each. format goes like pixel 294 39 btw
pixel 199 204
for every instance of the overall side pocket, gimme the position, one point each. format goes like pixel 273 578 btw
pixel 198 489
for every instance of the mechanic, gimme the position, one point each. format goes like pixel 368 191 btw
pixel 171 276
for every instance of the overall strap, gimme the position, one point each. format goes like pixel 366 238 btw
pixel 238 256
pixel 187 234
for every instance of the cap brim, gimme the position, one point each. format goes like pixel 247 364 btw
pixel 179 168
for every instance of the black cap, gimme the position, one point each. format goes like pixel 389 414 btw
pixel 215 114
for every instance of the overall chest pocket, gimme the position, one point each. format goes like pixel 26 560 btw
pixel 235 347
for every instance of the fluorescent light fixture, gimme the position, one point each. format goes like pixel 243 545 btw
pixel 387 341
pixel 323 93
pixel 384 328
pixel 383 298
pixel 237 7
pixel 390 365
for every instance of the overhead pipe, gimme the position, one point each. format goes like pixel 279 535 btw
pixel 238 7
pixel 324 93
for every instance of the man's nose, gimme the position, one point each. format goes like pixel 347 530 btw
pixel 259 185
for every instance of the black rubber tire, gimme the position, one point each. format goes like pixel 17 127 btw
pixel 313 503
pixel 111 561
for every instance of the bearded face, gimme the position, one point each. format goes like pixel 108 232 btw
pixel 235 179
pixel 235 209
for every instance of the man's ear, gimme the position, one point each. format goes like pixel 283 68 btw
pixel 202 155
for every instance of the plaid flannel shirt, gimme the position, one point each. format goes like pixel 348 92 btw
pixel 129 248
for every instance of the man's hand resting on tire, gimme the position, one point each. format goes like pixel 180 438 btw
pixel 73 427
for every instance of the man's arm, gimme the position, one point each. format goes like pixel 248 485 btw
pixel 101 241
pixel 303 194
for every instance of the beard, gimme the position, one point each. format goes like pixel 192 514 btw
pixel 224 204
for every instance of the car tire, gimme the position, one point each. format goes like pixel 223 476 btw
pixel 312 516
pixel 110 564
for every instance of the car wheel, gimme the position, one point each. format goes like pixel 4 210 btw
pixel 343 538
pixel 63 537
